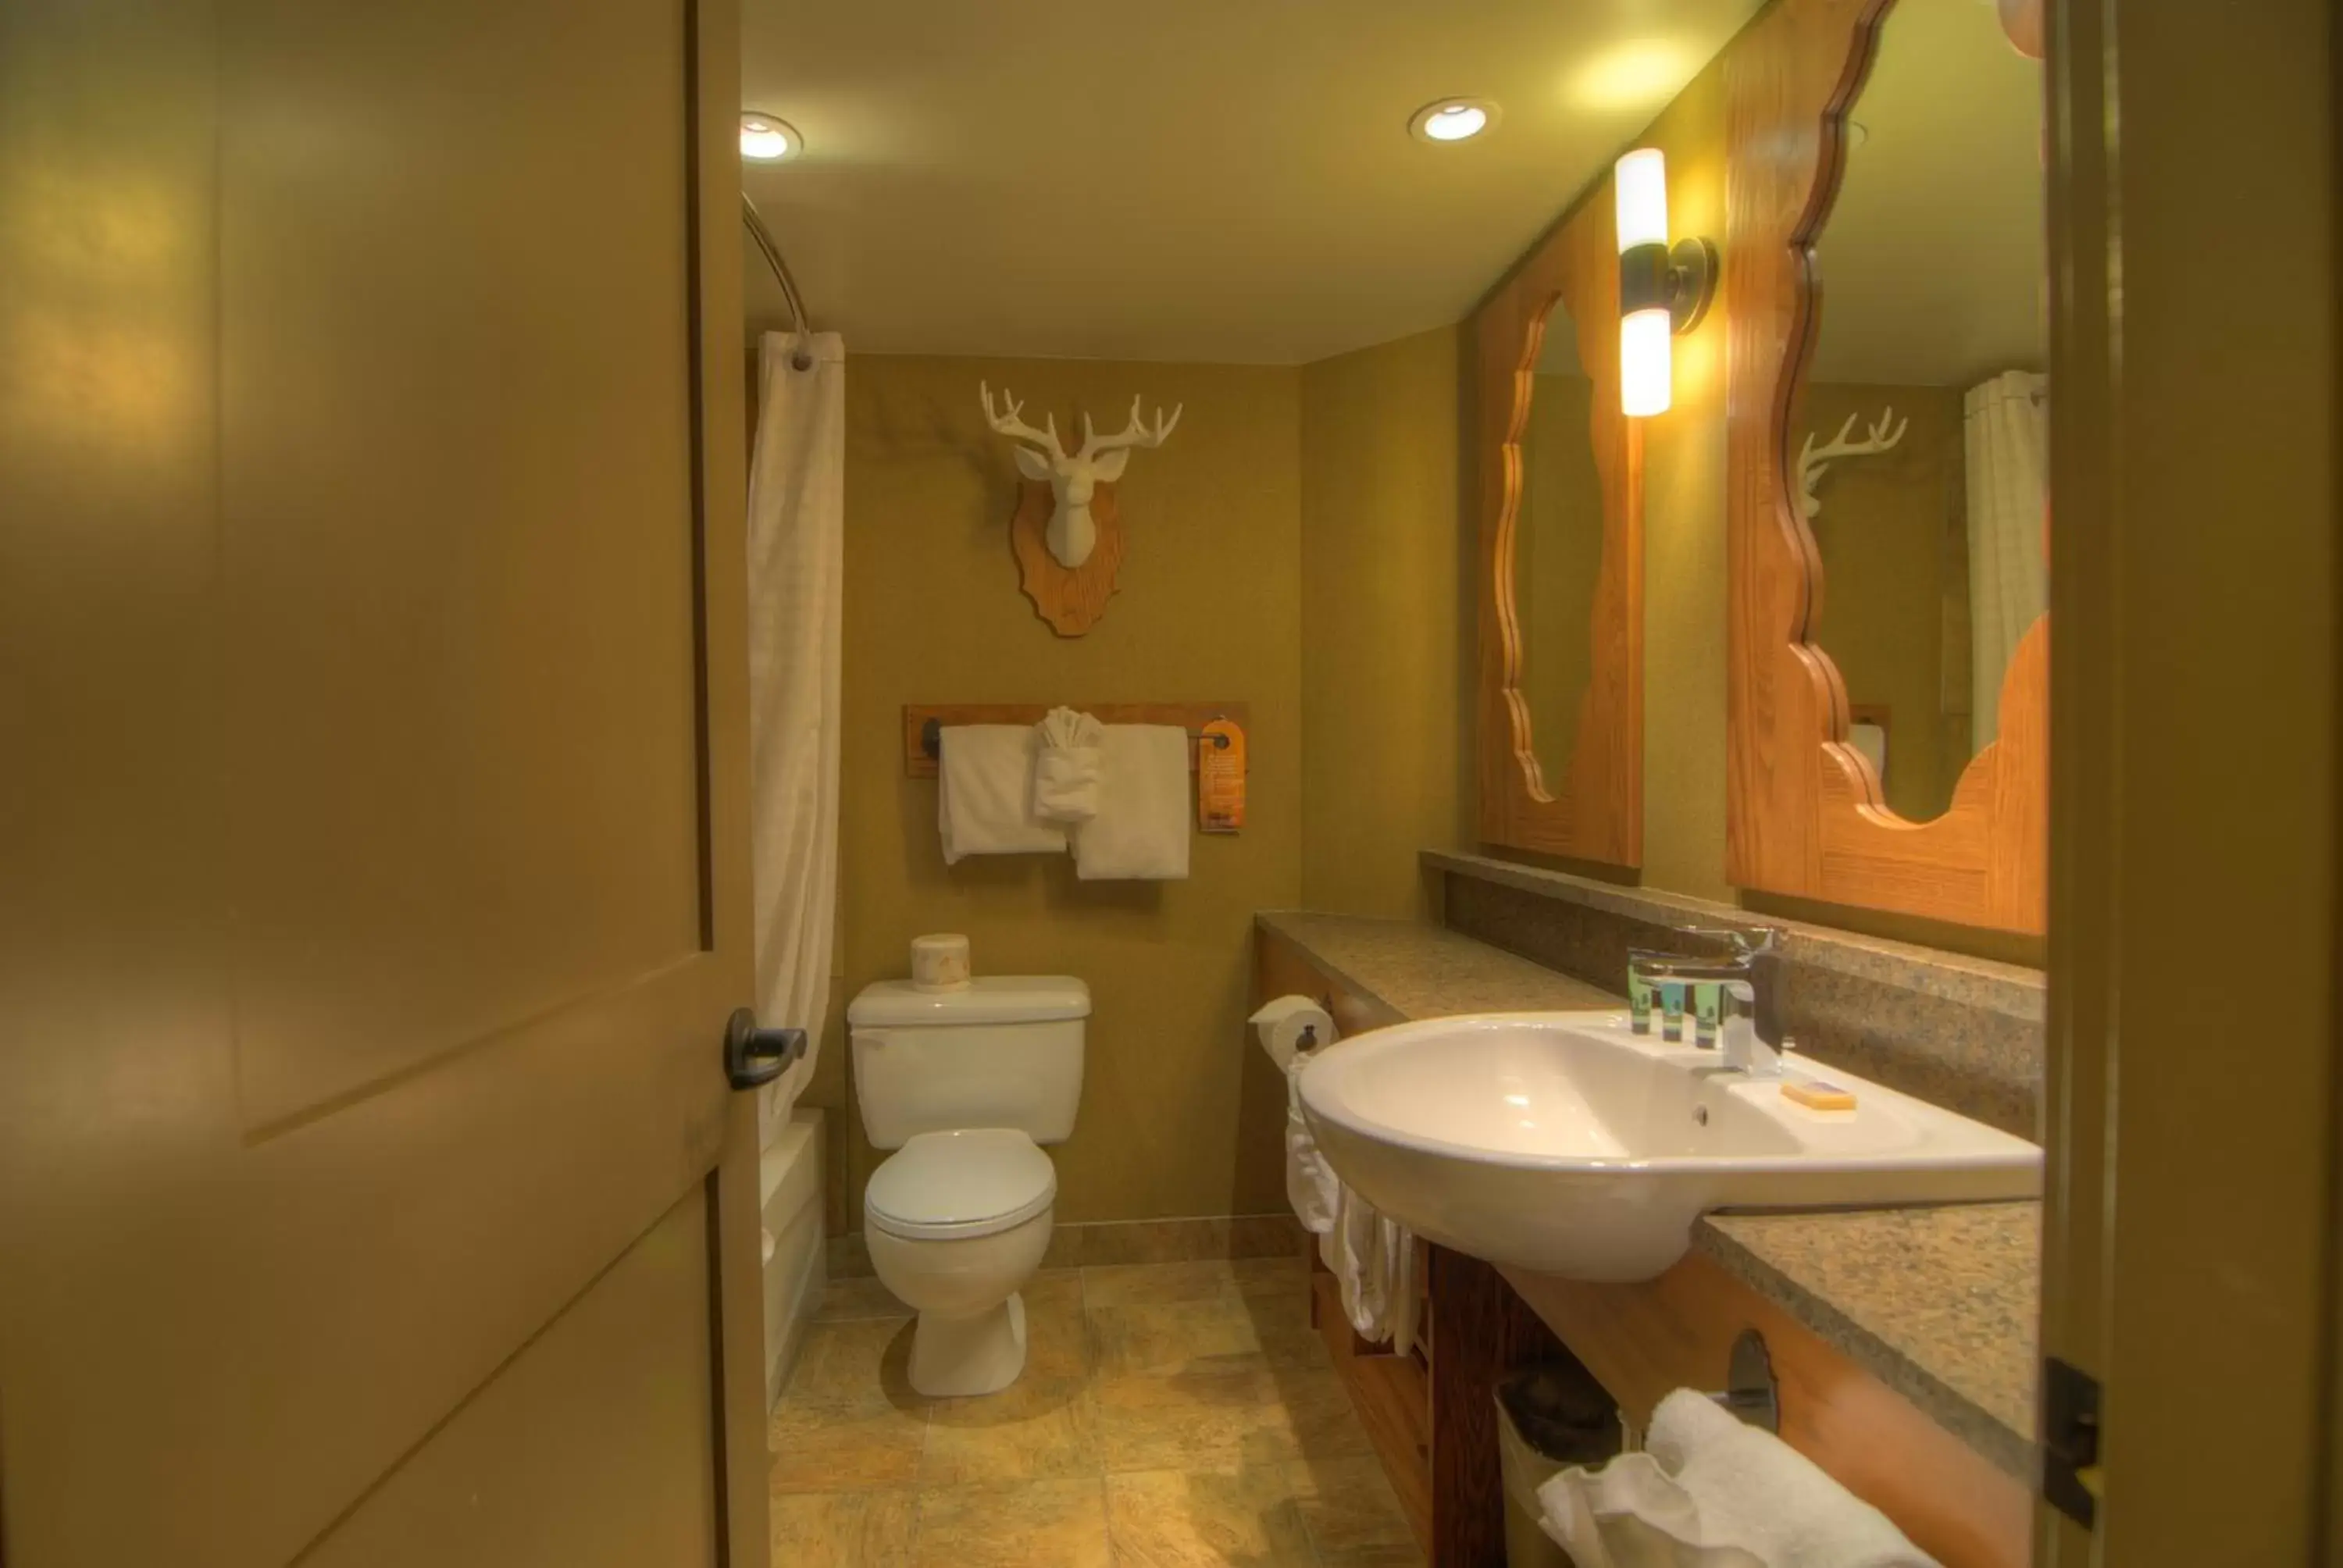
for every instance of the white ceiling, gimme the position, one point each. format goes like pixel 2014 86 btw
pixel 1223 180
pixel 1934 261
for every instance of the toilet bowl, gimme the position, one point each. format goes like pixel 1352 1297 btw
pixel 956 1222
pixel 965 1084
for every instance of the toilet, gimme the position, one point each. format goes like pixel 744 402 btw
pixel 964 1084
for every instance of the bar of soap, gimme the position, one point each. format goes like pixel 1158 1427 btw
pixel 1819 1095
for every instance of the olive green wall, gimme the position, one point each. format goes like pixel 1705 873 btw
pixel 1385 622
pixel 1178 1116
pixel 1683 539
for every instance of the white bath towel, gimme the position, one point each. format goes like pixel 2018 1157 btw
pixel 1140 831
pixel 1066 766
pixel 1374 1258
pixel 984 793
pixel 1709 1492
pixel 1311 1185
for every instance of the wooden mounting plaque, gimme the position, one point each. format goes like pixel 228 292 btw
pixel 1071 599
pixel 1190 716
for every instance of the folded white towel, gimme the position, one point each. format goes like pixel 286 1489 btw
pixel 1709 1492
pixel 1140 831
pixel 984 801
pixel 1066 766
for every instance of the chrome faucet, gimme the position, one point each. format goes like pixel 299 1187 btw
pixel 1748 985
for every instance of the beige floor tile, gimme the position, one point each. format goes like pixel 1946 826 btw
pixel 1123 1284
pixel 845 1443
pixel 1171 1519
pixel 1287 1274
pixel 1352 1514
pixel 855 1358
pixel 1318 1412
pixel 1223 1332
pixel 1211 1420
pixel 1033 1429
pixel 1156 1242
pixel 1056 1336
pixel 844 1529
pixel 850 1299
pixel 1039 1524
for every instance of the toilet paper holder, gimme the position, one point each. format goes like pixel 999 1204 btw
pixel 1750 1389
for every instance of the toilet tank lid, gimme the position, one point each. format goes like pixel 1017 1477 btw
pixel 989 999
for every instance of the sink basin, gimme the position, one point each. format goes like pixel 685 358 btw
pixel 1566 1143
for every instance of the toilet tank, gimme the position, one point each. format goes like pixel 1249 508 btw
pixel 1005 1050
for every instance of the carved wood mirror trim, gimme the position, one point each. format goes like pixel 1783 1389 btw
pixel 1804 811
pixel 1594 810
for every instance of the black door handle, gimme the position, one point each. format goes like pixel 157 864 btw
pixel 753 1056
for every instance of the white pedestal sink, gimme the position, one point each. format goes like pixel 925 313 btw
pixel 1566 1143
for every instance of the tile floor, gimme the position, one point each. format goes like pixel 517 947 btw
pixel 1170 1414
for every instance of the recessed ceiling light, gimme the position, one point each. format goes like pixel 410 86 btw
pixel 768 140
pixel 1452 119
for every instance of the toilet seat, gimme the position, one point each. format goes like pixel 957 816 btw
pixel 960 1185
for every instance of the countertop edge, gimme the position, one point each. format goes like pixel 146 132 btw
pixel 2009 1450
pixel 1275 922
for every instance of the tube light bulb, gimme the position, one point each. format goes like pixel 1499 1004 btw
pixel 1641 178
pixel 1646 353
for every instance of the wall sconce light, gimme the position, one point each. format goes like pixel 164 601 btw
pixel 1662 291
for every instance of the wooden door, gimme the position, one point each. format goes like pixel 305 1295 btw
pixel 2190 1238
pixel 371 787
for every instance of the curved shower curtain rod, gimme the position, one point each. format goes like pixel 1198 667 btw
pixel 755 223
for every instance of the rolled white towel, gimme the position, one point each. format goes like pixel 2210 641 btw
pixel 1066 766
pixel 1709 1492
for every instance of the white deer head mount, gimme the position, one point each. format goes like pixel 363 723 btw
pixel 1814 459
pixel 1073 480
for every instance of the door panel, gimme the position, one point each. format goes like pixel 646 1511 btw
pixel 457 498
pixel 371 678
pixel 502 1481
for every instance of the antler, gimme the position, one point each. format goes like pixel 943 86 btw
pixel 1016 429
pixel 1812 459
pixel 1135 434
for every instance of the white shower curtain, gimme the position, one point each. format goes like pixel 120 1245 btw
pixel 797 498
pixel 2007 432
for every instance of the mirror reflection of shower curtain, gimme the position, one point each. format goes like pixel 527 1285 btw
pixel 797 503
pixel 2007 425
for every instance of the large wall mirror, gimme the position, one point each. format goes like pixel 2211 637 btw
pixel 1890 418
pixel 1561 711
pixel 1557 546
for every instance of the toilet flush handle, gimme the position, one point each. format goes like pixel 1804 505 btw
pixel 753 1056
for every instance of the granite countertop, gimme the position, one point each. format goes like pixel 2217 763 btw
pixel 1939 1303
pixel 1414 970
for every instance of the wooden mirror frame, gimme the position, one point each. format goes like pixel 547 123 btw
pixel 1596 813
pixel 1805 815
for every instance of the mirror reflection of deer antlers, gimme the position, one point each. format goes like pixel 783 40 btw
pixel 1074 478
pixel 1814 460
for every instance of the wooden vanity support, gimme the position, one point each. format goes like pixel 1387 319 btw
pixel 1677 1331
pixel 1433 1422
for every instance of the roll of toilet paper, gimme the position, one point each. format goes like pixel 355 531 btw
pixel 939 962
pixel 1292 1024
